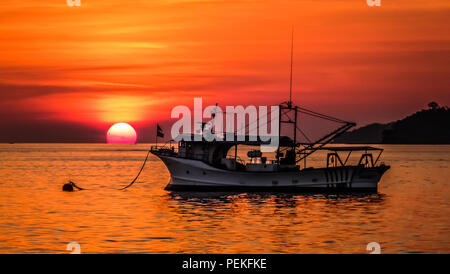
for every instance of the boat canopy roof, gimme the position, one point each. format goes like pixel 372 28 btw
pixel 350 148
pixel 284 141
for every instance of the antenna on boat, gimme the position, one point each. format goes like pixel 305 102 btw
pixel 292 60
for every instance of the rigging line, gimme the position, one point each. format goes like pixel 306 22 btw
pixel 324 140
pixel 249 124
pixel 298 128
pixel 246 127
pixel 287 116
pixel 310 112
pixel 271 119
pixel 304 134
pixel 324 117
pixel 257 120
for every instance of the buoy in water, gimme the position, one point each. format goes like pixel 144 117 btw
pixel 70 186
pixel 67 186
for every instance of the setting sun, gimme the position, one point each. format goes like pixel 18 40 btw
pixel 121 133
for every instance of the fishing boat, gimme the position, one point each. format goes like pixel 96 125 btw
pixel 201 165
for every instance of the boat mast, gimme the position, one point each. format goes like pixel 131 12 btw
pixel 290 90
pixel 292 61
pixel 306 149
pixel 287 107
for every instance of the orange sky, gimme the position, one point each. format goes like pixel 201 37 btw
pixel 132 61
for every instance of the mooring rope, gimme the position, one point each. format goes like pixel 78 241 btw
pixel 139 173
pixel 127 186
pixel 75 186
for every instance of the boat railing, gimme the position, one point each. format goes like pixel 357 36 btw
pixel 164 149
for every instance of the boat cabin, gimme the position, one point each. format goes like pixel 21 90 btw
pixel 216 153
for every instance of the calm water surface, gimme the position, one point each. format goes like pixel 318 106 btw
pixel 411 212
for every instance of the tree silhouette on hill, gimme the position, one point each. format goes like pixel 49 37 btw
pixel 427 126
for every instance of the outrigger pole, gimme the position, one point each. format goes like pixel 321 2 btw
pixel 311 148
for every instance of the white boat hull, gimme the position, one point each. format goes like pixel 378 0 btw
pixel 188 174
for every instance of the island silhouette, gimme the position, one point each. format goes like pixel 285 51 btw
pixel 427 126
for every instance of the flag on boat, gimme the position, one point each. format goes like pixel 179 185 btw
pixel 159 131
